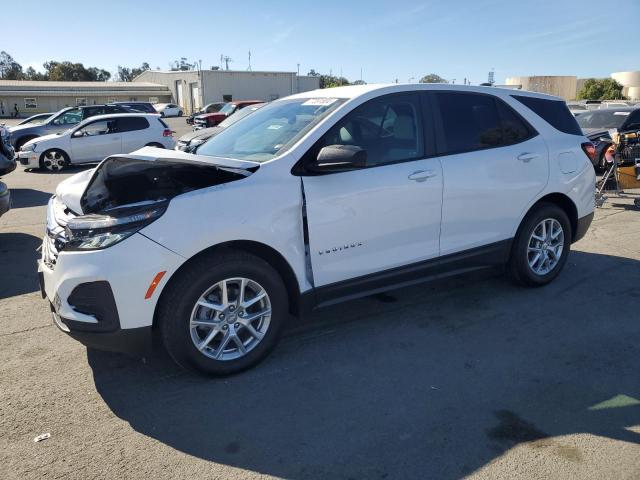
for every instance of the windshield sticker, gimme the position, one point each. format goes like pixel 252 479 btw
pixel 624 114
pixel 320 102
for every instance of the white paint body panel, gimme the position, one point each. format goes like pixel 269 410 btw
pixel 385 219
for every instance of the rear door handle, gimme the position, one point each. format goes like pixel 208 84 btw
pixel 527 157
pixel 422 175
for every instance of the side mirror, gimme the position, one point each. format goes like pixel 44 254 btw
pixel 335 158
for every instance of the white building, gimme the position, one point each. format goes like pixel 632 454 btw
pixel 631 83
pixel 192 89
pixel 48 96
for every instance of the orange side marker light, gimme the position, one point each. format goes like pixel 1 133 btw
pixel 154 284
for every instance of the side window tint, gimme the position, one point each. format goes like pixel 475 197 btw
pixel 388 128
pixel 554 112
pixel 101 127
pixel 130 124
pixel 470 122
pixel 514 128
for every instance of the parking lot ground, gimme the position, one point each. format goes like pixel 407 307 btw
pixel 469 377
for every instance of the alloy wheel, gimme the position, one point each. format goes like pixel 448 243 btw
pixel 545 246
pixel 230 319
pixel 53 161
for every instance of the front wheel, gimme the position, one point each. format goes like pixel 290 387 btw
pixel 54 160
pixel 223 313
pixel 541 246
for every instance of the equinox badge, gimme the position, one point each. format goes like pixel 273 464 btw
pixel 339 249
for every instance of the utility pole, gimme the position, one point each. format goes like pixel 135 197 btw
pixel 298 69
pixel 249 69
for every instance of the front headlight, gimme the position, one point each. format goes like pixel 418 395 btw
pixel 28 148
pixel 95 232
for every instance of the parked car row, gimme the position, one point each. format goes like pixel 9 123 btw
pixel 191 141
pixel 95 139
pixel 596 125
pixel 207 120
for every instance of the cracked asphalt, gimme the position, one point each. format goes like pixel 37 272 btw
pixel 465 378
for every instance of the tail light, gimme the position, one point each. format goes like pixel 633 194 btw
pixel 590 150
pixel 167 133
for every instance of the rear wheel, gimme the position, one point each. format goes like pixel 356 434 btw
pixel 54 160
pixel 154 144
pixel 541 246
pixel 224 313
pixel 180 113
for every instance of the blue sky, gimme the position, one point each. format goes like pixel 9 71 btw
pixel 386 39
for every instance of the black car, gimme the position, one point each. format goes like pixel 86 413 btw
pixel 209 108
pixel 144 107
pixel 595 124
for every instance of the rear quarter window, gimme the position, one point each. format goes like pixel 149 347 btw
pixel 129 124
pixel 554 112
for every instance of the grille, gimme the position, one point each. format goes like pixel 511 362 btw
pixel 58 215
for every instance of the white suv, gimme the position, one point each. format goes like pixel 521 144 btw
pixel 96 138
pixel 314 199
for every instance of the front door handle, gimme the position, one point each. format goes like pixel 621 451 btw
pixel 527 157
pixel 422 175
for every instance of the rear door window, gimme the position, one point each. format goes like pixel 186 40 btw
pixel 554 112
pixel 469 122
pixel 474 121
pixel 130 124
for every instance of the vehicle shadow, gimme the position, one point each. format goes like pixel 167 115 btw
pixel 423 382
pixel 67 170
pixel 28 197
pixel 18 272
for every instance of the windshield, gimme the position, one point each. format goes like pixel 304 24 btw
pixel 602 119
pixel 271 130
pixel 231 119
pixel 68 117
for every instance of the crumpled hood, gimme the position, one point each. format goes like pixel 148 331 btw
pixel 72 190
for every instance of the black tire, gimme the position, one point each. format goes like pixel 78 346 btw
pixel 180 113
pixel 518 267
pixel 21 141
pixel 154 144
pixel 184 291
pixel 162 114
pixel 56 152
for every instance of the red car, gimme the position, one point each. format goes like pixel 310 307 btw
pixel 207 120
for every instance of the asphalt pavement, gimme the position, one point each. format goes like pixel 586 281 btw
pixel 470 377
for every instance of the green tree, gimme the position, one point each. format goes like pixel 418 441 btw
pixel 601 89
pixel 9 68
pixel 432 78
pixel 126 74
pixel 74 72
pixel 182 64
